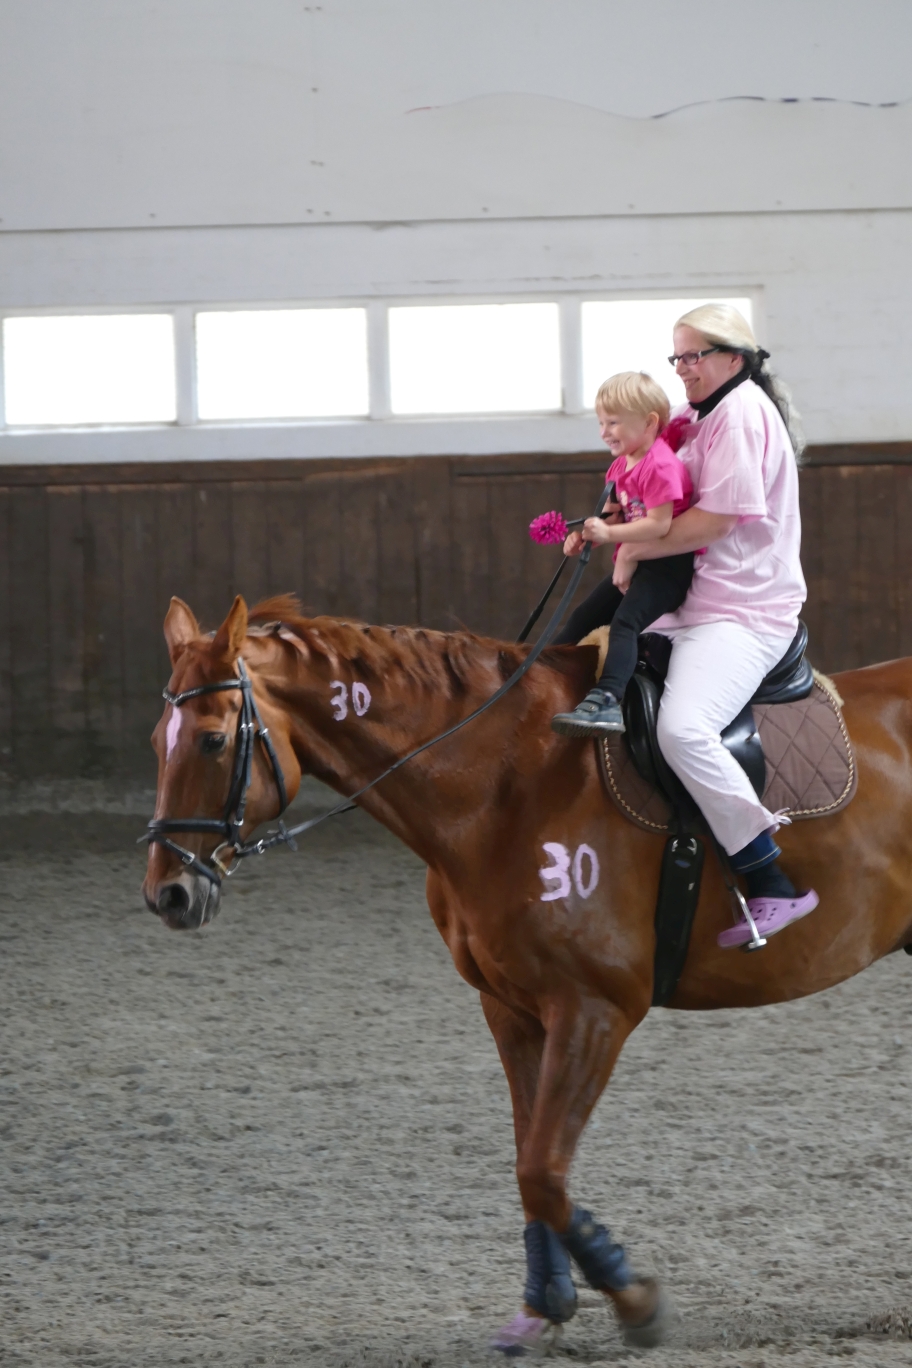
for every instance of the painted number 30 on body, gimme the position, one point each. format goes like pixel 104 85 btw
pixel 360 699
pixel 564 867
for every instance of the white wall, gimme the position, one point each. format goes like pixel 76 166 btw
pixel 194 151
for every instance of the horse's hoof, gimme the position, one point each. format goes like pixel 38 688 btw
pixel 529 1337
pixel 654 1330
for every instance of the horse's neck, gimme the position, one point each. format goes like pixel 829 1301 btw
pixel 438 792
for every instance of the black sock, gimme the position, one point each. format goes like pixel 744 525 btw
pixel 769 882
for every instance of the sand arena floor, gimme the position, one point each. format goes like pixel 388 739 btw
pixel 287 1140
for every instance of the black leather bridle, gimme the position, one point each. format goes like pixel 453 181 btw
pixel 250 729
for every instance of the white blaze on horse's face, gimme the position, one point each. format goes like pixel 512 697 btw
pixel 172 730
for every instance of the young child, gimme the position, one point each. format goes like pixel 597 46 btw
pixel 652 487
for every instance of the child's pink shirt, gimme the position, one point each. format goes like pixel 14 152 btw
pixel 659 478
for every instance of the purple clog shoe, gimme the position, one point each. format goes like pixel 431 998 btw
pixel 771 915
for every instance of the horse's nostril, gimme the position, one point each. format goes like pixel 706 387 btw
pixel 174 900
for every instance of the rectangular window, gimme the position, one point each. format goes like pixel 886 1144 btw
pixel 474 358
pixel 89 368
pixel 282 363
pixel 635 334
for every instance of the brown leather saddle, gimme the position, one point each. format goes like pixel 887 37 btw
pixel 792 679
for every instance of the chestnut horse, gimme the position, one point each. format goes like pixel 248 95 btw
pixel 543 892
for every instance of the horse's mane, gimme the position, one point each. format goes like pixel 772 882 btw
pixel 448 660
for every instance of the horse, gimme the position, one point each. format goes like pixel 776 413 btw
pixel 542 891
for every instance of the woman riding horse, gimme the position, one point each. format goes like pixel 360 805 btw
pixel 741 612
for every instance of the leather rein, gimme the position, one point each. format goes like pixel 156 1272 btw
pixel 250 729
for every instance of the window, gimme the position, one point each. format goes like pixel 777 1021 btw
pixel 474 358
pixel 635 334
pixel 89 368
pixel 282 363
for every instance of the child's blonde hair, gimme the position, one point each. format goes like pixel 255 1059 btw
pixel 634 392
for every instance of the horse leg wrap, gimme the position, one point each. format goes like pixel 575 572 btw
pixel 549 1284
pixel 602 1262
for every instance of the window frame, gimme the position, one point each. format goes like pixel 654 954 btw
pixel 572 415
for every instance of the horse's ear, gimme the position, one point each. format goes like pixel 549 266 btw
pixel 180 627
pixel 230 636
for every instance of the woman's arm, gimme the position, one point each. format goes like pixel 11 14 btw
pixel 694 529
pixel 656 523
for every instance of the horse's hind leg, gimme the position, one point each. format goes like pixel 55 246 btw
pixel 582 1044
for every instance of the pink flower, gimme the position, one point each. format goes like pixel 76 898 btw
pixel 548 529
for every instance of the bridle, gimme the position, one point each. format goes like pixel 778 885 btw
pixel 250 729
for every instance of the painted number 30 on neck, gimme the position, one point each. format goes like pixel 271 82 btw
pixel 360 699
pixel 563 866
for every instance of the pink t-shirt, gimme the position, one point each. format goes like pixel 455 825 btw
pixel 658 479
pixel 741 461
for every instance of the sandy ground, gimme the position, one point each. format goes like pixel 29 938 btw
pixel 287 1140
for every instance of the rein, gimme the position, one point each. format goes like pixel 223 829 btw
pixel 250 729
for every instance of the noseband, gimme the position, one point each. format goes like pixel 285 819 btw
pixel 250 729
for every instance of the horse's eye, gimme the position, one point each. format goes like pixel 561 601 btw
pixel 211 743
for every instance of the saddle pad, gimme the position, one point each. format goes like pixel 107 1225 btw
pixel 810 765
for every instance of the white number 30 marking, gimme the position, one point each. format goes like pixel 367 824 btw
pixel 360 697
pixel 559 872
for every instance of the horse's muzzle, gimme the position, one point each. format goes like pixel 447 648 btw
pixel 185 903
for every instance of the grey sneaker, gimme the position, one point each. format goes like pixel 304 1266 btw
pixel 599 712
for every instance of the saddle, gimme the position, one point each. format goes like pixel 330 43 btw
pixel 791 742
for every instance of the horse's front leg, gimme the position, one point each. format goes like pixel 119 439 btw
pixel 549 1296
pixel 582 1042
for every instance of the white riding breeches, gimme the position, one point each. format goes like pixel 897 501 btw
pixel 715 669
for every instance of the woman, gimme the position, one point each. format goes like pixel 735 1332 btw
pixel 741 611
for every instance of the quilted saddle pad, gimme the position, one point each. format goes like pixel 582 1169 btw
pixel 810 764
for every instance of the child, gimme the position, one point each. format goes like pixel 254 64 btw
pixel 652 487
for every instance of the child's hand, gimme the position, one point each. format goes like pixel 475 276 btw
pixel 624 567
pixel 596 531
pixel 574 543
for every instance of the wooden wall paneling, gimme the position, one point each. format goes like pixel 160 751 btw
pixel 359 587
pixel 6 694
pixel 103 624
pixel 287 528
pixel 32 737
pixel 145 658
pixel 432 518
pixel 902 513
pixel 510 509
pixel 811 561
pixel 66 622
pixel 470 551
pixel 214 586
pixel 874 571
pixel 397 549
pixel 175 542
pixel 320 586
pixel 834 604
pixel 249 504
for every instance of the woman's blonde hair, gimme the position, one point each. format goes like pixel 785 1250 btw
pixel 723 326
pixel 634 392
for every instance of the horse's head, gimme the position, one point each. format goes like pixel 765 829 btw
pixel 218 777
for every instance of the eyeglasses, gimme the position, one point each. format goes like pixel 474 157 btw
pixel 691 358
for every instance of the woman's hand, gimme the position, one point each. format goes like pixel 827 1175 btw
pixel 574 543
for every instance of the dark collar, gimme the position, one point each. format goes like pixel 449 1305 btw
pixel 709 403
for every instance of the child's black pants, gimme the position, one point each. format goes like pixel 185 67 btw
pixel 657 587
